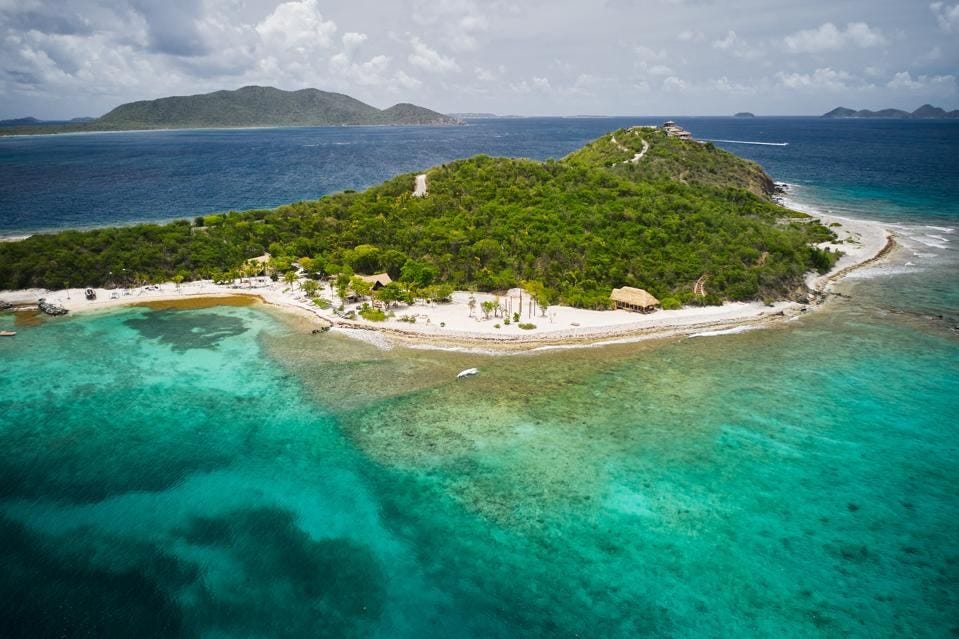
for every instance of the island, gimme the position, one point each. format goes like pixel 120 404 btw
pixel 638 220
pixel 251 106
pixel 32 121
pixel 744 114
pixel 925 112
pixel 473 116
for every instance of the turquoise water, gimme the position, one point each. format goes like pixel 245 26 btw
pixel 222 473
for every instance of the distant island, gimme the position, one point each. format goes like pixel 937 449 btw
pixel 744 114
pixel 475 116
pixel 251 106
pixel 925 112
pixel 31 121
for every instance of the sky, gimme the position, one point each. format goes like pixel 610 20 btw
pixel 73 58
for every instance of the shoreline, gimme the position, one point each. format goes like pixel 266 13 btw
pixel 451 327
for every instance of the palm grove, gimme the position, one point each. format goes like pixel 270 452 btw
pixel 573 229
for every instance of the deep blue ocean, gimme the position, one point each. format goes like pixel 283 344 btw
pixel 220 472
pixel 896 169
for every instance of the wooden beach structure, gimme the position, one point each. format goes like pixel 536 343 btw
pixel 634 299
pixel 377 281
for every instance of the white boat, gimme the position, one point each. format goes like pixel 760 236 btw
pixel 469 372
pixel 7 333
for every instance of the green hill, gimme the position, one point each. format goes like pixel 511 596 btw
pixel 407 113
pixel 672 159
pixel 578 226
pixel 247 107
pixel 925 112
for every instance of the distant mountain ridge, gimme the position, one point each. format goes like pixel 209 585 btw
pixel 32 121
pixel 925 112
pixel 251 106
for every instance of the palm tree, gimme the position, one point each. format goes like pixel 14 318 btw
pixel 249 269
pixel 310 287
pixel 289 277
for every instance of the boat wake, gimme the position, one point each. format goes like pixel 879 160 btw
pixel 750 142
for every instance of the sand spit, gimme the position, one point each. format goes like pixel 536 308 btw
pixel 455 326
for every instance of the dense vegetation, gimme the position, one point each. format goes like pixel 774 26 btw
pixel 249 106
pixel 672 159
pixel 575 227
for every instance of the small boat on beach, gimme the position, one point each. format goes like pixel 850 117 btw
pixel 469 372
pixel 7 333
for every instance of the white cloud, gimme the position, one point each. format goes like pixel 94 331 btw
pixel 728 42
pixel 691 36
pixel 947 16
pixel 296 25
pixel 588 84
pixel 372 72
pixel 707 87
pixel 484 75
pixel 904 80
pixel 672 83
pixel 646 54
pixel 649 61
pixel 352 40
pixel 468 27
pixel 829 37
pixel 407 81
pixel 535 85
pixel 81 57
pixel 521 87
pixel 459 23
pixel 821 79
pixel 737 46
pixel 429 59
pixel 724 85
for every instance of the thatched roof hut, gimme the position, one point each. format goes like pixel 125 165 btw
pixel 634 299
pixel 377 281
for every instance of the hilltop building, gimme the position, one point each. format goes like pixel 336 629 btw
pixel 673 130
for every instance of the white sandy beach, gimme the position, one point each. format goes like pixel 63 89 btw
pixel 453 325
pixel 860 241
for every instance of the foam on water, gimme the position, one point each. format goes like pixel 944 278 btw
pixel 725 331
